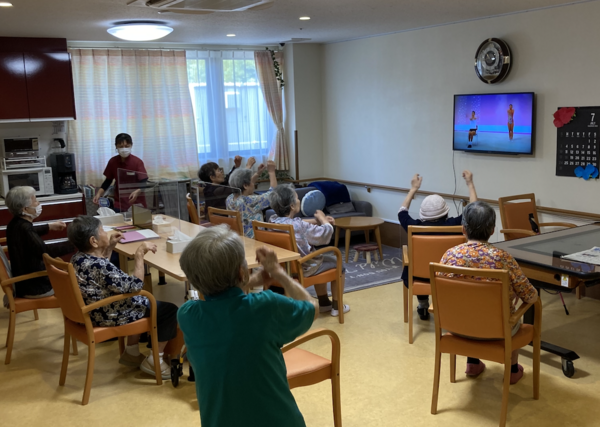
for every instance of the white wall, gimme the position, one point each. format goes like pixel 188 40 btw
pixel 387 106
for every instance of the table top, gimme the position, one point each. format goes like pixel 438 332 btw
pixel 358 222
pixel 169 263
pixel 545 250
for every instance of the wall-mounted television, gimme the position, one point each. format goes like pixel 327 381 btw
pixel 500 123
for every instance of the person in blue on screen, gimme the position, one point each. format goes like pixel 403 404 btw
pixel 473 126
pixel 511 121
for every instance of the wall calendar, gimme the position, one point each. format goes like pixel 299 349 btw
pixel 577 141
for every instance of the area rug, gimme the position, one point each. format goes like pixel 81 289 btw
pixel 360 275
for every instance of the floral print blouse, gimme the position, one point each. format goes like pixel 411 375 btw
pixel 484 255
pixel 99 279
pixel 251 207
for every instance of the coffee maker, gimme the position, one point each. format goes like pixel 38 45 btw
pixel 63 173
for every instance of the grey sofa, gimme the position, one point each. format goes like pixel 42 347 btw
pixel 361 208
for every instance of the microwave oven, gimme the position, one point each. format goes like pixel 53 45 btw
pixel 38 178
pixel 19 147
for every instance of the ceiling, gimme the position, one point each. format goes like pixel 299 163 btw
pixel 331 20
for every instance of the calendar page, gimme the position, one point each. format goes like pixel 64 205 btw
pixel 577 141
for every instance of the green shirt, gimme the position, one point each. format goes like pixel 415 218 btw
pixel 234 344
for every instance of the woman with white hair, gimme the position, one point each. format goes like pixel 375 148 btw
pixel 433 213
pixel 249 204
pixel 25 244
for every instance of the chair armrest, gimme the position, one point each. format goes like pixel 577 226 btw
pixel 512 320
pixel 362 206
pixel 315 333
pixel 558 224
pixel 518 231
pixel 404 255
pixel 8 282
pixel 115 298
pixel 322 251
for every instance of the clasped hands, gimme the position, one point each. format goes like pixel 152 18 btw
pixel 270 269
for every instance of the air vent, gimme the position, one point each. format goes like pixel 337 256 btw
pixel 203 6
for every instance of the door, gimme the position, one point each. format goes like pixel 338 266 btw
pixel 13 87
pixel 49 85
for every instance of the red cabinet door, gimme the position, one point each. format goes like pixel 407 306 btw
pixel 13 87
pixel 49 85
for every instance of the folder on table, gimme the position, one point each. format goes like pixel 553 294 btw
pixel 138 236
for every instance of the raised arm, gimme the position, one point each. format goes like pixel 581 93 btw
pixel 272 176
pixel 468 176
pixel 415 184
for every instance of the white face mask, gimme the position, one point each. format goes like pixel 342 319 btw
pixel 124 152
pixel 38 212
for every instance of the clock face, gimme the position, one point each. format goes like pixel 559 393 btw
pixel 492 61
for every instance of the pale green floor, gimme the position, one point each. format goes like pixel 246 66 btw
pixel 385 381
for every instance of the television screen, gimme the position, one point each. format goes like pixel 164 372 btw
pixel 494 123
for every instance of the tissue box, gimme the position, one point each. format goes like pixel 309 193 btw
pixel 176 247
pixel 111 219
pixel 161 228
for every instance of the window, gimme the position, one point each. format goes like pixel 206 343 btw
pixel 230 112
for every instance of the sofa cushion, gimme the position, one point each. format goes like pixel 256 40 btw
pixel 312 202
pixel 334 192
pixel 340 208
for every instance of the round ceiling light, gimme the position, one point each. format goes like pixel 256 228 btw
pixel 140 30
pixel 5 4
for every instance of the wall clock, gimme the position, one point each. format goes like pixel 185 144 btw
pixel 492 61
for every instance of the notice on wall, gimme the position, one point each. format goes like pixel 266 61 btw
pixel 577 142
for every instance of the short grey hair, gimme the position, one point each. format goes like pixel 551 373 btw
pixel 81 230
pixel 212 260
pixel 282 198
pixel 19 198
pixel 479 220
pixel 240 178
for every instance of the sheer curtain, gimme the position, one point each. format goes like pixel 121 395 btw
pixel 140 92
pixel 231 115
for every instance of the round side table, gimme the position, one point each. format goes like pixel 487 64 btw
pixel 365 223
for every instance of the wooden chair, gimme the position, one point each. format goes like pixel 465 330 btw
pixel 305 368
pixel 425 245
pixel 79 325
pixel 193 213
pixel 480 309
pixel 285 238
pixel 222 216
pixel 20 305
pixel 515 216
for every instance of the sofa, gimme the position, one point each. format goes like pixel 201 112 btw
pixel 361 208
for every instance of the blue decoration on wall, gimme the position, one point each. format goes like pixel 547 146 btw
pixel 590 171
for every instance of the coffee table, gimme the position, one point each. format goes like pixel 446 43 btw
pixel 351 223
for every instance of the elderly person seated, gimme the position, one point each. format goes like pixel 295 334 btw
pixel 479 221
pixel 25 244
pixel 100 279
pixel 234 339
pixel 433 213
pixel 249 204
pixel 211 173
pixel 284 201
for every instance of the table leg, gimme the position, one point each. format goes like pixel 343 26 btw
pixel 124 262
pixel 337 236
pixel 347 244
pixel 367 236
pixel 378 238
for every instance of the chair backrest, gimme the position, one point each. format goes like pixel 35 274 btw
pixel 515 215
pixel 474 308
pixel 66 288
pixel 192 212
pixel 429 244
pixel 222 216
pixel 280 235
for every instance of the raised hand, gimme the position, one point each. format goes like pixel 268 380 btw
pixel 237 161
pixel 251 161
pixel 416 181
pixel 271 166
pixel 468 176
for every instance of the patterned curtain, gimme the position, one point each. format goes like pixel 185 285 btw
pixel 140 92
pixel 272 93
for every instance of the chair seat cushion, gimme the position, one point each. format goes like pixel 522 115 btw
pixel 301 362
pixel 366 247
pixel 489 349
pixel 421 288
pixel 27 304
pixel 104 333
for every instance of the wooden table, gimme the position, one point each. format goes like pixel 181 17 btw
pixel 168 263
pixel 365 223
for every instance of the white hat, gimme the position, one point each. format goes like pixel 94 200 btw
pixel 433 207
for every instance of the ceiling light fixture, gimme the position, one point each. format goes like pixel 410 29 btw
pixel 5 4
pixel 140 30
pixel 305 18
pixel 230 35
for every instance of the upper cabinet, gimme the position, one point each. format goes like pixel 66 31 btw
pixel 36 80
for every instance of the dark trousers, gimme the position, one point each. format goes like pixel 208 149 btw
pixel 166 320
pixel 405 281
